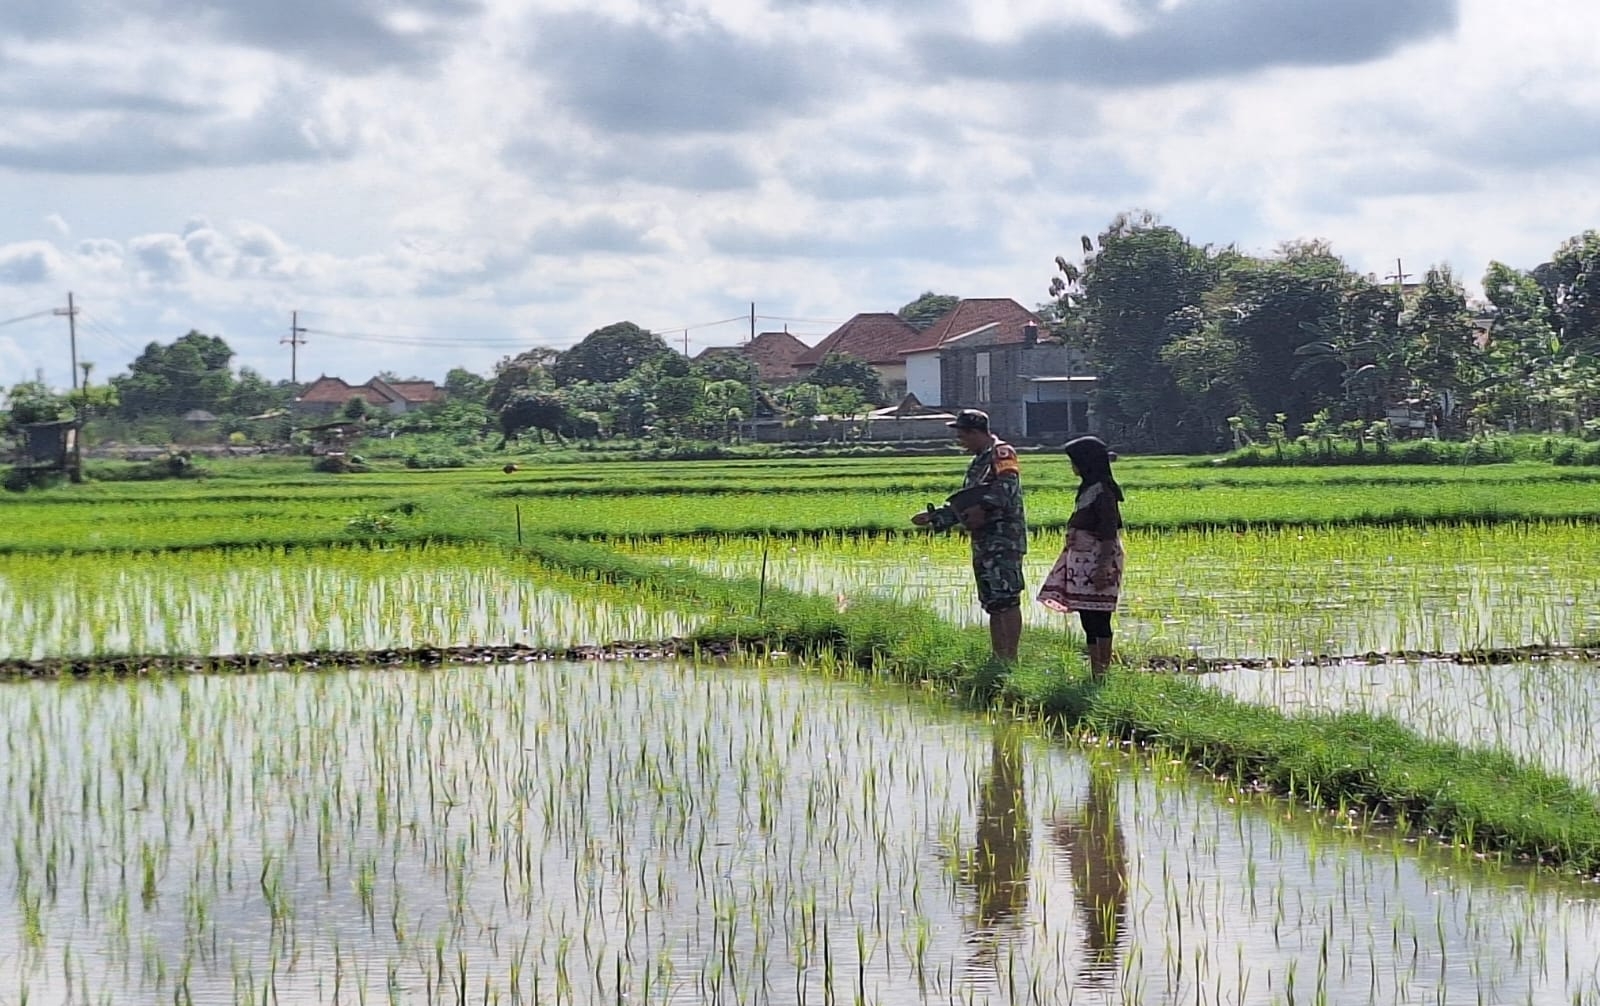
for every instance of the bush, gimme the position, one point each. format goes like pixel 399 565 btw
pixel 373 524
pixel 178 465
pixel 1495 451
pixel 437 459
pixel 341 464
pixel 19 480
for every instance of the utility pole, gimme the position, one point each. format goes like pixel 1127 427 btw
pixel 71 312
pixel 755 373
pixel 295 342
pixel 1400 276
pixel 686 344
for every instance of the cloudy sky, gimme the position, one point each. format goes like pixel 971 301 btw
pixel 441 182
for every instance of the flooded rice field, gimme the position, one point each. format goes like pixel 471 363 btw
pixel 660 833
pixel 276 601
pixel 1274 593
pixel 1543 712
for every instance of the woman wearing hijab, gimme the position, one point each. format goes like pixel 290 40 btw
pixel 1088 576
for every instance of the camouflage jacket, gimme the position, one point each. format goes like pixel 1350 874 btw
pixel 996 469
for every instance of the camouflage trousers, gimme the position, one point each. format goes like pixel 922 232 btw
pixel 997 568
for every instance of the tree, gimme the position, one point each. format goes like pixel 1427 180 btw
pixel 841 370
pixel 609 354
pixel 921 313
pixel 253 394
pixel 34 402
pixel 1269 306
pixel 463 385
pixel 1359 342
pixel 726 403
pixel 1439 342
pixel 726 366
pixel 1139 275
pixel 1571 284
pixel 191 373
pixel 1210 369
pixel 356 409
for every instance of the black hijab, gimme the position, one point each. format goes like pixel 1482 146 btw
pixel 1094 459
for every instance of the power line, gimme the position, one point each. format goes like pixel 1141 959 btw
pixel 94 323
pixel 423 341
pixel 804 321
pixel 29 317
pixel 691 328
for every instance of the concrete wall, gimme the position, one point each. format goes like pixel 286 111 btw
pixel 877 430
pixel 922 377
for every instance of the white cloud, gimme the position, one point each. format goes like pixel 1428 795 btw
pixel 470 172
pixel 29 263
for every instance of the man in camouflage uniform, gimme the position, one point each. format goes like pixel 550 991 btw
pixel 991 511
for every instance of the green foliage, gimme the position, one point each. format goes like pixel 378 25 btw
pixel 1141 274
pixel 34 402
pixel 928 308
pixel 176 465
pixel 841 370
pixel 727 366
pixel 462 385
pixel 373 524
pixel 191 373
pixel 609 354
pixel 438 459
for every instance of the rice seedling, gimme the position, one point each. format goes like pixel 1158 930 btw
pixel 1278 593
pixel 663 834
pixel 276 600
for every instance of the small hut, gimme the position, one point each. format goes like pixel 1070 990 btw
pixel 50 447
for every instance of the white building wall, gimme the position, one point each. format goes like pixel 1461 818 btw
pixel 923 377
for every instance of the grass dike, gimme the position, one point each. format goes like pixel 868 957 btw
pixel 1369 768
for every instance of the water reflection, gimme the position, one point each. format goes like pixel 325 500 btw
pixel 1088 838
pixel 1092 842
pixel 997 866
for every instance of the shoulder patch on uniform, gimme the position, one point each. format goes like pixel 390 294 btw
pixel 1005 460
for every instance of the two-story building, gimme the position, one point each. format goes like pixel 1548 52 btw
pixel 996 355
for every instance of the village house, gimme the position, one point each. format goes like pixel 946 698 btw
pixel 879 339
pixel 996 355
pixel 773 353
pixel 327 395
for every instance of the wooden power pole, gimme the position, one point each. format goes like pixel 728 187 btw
pixel 295 342
pixel 71 312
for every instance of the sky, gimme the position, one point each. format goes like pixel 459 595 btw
pixel 440 183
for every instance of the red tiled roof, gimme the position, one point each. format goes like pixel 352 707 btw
pixel 976 313
pixel 875 338
pixel 328 389
pixel 775 354
pixel 418 391
pixel 336 391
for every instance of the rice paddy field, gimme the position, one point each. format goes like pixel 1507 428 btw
pixel 851 809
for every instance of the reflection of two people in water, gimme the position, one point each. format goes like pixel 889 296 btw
pixel 1090 839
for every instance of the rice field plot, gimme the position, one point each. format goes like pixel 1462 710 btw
pixel 1281 593
pixel 269 600
pixel 656 833
pixel 1544 713
pixel 132 524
